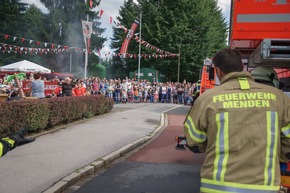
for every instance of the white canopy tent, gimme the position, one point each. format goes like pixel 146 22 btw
pixel 24 66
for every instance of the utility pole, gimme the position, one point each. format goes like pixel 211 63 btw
pixel 87 53
pixel 139 59
pixel 179 53
pixel 70 60
pixel 178 65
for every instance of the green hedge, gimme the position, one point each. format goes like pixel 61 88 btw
pixel 39 114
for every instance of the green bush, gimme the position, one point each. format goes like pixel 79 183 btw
pixel 39 114
pixel 35 114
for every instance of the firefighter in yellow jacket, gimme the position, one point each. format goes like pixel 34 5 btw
pixel 244 129
pixel 17 139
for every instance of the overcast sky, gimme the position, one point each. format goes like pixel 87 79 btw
pixel 111 9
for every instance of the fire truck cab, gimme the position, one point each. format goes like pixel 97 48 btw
pixel 208 78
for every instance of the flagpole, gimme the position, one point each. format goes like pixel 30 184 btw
pixel 86 53
pixel 70 58
pixel 139 59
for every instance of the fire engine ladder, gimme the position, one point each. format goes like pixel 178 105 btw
pixel 272 53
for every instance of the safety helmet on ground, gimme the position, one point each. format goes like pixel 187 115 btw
pixel 265 75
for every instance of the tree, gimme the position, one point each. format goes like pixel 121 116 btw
pixel 196 27
pixel 122 66
pixel 11 18
pixel 66 29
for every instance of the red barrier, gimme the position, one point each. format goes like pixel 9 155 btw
pixel 48 87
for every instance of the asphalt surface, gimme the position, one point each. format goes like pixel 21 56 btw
pixel 155 167
pixel 56 160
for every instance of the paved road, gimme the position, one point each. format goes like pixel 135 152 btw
pixel 155 168
pixel 54 160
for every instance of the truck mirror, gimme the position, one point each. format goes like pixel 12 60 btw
pixel 211 73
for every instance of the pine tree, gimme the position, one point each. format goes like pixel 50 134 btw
pixel 66 29
pixel 60 26
pixel 122 66
pixel 196 27
pixel 11 19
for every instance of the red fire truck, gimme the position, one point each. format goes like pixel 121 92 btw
pixel 260 30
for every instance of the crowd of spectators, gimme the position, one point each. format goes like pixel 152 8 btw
pixel 122 91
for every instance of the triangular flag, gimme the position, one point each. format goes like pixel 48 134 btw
pixel 111 19
pixel 91 4
pixel 6 36
pixel 101 13
pixel 14 38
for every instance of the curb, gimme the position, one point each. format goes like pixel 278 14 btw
pixel 66 182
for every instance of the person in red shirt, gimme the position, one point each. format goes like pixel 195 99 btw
pixel 79 90
pixel 57 92
pixel 84 87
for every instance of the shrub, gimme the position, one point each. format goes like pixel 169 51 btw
pixel 39 114
pixel 34 114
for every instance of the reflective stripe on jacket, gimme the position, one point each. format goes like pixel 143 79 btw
pixel 6 144
pixel 197 87
pixel 242 126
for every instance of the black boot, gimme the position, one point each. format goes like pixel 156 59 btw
pixel 22 132
pixel 19 137
pixel 27 140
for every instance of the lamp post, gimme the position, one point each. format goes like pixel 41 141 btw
pixel 178 65
pixel 179 52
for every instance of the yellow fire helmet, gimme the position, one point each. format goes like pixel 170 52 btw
pixel 265 75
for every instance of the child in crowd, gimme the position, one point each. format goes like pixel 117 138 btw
pixel 124 97
pixel 131 95
pixel 110 90
pixel 140 94
pixel 136 95
pixel 156 96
